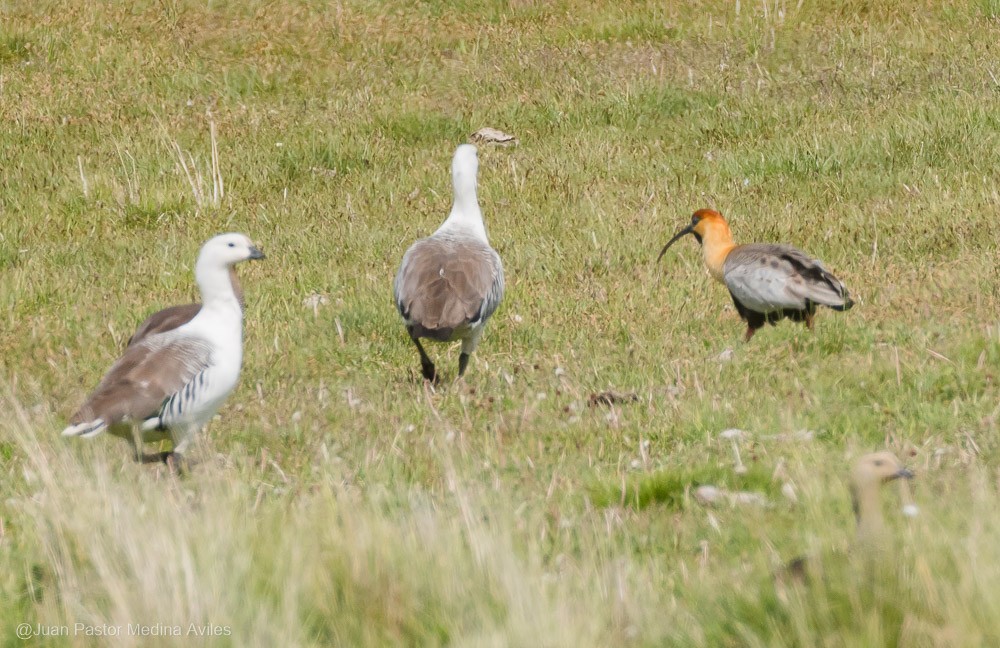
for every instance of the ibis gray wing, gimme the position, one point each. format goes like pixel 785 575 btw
pixel 768 277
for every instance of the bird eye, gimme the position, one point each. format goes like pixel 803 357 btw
pixel 232 245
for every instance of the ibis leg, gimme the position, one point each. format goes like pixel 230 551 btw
pixel 753 319
pixel 463 362
pixel 809 321
pixel 754 322
pixel 426 366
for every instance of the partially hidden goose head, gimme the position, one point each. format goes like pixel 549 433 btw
pixel 465 166
pixel 874 469
pixel 870 473
pixel 464 170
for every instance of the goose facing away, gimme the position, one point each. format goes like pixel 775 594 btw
pixel 450 283
pixel 170 383
pixel 767 281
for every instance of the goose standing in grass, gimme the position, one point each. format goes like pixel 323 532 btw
pixel 767 281
pixel 170 383
pixel 870 473
pixel 450 283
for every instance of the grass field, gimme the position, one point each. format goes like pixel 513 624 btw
pixel 336 500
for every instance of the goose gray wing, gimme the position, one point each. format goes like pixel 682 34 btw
pixel 136 386
pixel 443 284
pixel 174 317
pixel 164 320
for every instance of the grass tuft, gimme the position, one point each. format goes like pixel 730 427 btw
pixel 674 488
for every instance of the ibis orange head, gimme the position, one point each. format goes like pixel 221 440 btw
pixel 704 223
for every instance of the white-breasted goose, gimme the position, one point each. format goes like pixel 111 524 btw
pixel 450 283
pixel 172 382
pixel 767 281
pixel 174 316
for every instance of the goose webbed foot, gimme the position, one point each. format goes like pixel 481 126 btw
pixel 156 457
pixel 177 463
pixel 426 365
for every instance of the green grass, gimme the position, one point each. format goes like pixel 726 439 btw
pixel 336 500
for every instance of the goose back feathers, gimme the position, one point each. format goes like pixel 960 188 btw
pixel 450 283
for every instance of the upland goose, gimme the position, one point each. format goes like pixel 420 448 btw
pixel 170 383
pixel 450 283
pixel 869 474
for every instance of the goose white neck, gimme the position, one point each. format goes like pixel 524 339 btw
pixel 215 282
pixel 465 217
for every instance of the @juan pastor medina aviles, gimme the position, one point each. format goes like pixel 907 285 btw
pixel 26 630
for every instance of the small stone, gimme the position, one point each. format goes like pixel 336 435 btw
pixel 747 497
pixel 489 135
pixel 707 495
pixel 314 301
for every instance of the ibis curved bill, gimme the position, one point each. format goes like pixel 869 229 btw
pixel 767 281
pixel 679 235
